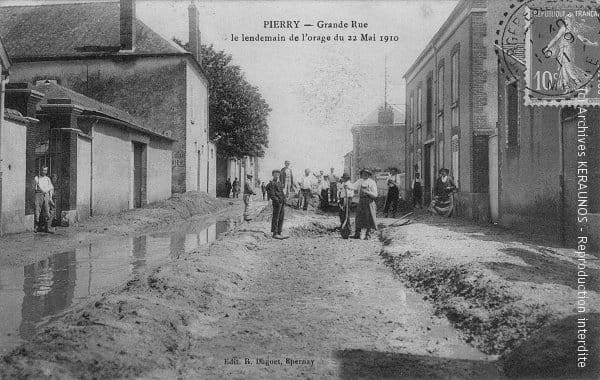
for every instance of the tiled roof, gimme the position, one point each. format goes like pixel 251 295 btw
pixel 73 30
pixel 55 91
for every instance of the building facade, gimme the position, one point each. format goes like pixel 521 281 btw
pixel 452 93
pixel 103 51
pixel 101 159
pixel 378 141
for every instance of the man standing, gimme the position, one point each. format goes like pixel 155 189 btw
pixel 287 178
pixel 235 188
pixel 248 193
pixel 324 190
pixel 227 187
pixel 305 184
pixel 393 183
pixel 43 197
pixel 263 188
pixel 277 196
pixel 333 180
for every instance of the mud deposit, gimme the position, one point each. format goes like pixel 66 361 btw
pixel 311 306
pixel 505 297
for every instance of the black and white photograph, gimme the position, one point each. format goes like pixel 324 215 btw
pixel 299 189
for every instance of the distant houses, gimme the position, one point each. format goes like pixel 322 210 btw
pixel 104 52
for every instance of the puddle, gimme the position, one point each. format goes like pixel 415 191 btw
pixel 30 294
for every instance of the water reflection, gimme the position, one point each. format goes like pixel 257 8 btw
pixel 40 290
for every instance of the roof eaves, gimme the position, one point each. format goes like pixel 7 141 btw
pixel 127 124
pixel 457 9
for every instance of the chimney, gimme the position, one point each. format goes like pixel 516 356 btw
pixel 194 31
pixel 385 115
pixel 127 31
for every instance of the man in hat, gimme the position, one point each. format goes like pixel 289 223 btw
pixel 248 193
pixel 42 185
pixel 277 196
pixel 345 194
pixel 393 195
pixel 366 211
pixel 324 191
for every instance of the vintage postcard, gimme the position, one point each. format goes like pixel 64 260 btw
pixel 313 189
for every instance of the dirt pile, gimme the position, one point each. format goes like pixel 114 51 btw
pixel 173 210
pixel 146 326
pixel 497 291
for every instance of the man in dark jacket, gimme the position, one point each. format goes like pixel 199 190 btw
pixel 277 197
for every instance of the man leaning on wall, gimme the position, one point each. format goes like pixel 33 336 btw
pixel 43 189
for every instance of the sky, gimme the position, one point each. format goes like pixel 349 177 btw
pixel 317 90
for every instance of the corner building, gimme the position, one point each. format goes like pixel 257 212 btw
pixel 452 108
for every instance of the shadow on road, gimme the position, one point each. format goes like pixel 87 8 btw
pixel 363 364
pixel 553 351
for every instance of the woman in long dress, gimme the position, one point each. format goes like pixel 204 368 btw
pixel 366 211
pixel 570 76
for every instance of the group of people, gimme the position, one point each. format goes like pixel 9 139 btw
pixel 232 189
pixel 342 191
pixel 330 189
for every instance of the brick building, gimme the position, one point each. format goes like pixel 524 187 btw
pixel 101 159
pixel 378 141
pixel 452 93
pixel 537 162
pixel 103 51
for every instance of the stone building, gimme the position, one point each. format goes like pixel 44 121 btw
pixel 378 141
pixel 452 107
pixel 13 140
pixel 103 51
pixel 101 159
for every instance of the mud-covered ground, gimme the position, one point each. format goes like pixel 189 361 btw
pixel 169 215
pixel 506 294
pixel 311 306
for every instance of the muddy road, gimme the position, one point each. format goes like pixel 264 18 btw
pixel 311 306
pixel 318 306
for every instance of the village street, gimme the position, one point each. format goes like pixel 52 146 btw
pixel 314 306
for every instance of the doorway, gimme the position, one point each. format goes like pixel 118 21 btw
pixel 139 174
pixel 428 172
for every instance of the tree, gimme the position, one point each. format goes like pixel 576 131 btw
pixel 237 111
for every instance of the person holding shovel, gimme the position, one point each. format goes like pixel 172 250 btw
pixel 366 211
pixel 344 196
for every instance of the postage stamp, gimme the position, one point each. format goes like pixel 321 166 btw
pixel 558 42
pixel 563 56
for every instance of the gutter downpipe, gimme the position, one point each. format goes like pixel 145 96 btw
pixel 4 80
